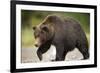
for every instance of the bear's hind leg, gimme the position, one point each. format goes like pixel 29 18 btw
pixel 84 51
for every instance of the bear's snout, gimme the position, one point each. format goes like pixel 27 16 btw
pixel 37 42
pixel 36 45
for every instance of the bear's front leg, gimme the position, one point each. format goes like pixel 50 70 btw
pixel 39 54
pixel 42 49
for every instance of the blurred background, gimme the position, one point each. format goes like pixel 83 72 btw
pixel 30 18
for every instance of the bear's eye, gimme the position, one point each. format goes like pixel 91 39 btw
pixel 45 28
pixel 42 32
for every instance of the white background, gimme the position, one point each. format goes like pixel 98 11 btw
pixel 5 36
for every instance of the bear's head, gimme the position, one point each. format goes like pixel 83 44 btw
pixel 43 32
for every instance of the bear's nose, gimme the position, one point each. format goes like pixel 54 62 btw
pixel 36 45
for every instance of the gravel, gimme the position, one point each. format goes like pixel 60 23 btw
pixel 28 55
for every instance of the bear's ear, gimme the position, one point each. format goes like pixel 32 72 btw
pixel 34 27
pixel 45 28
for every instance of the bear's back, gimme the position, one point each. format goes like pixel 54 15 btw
pixel 75 31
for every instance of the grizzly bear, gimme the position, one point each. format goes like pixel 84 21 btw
pixel 64 34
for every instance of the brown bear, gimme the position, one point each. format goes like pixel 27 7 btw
pixel 64 34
